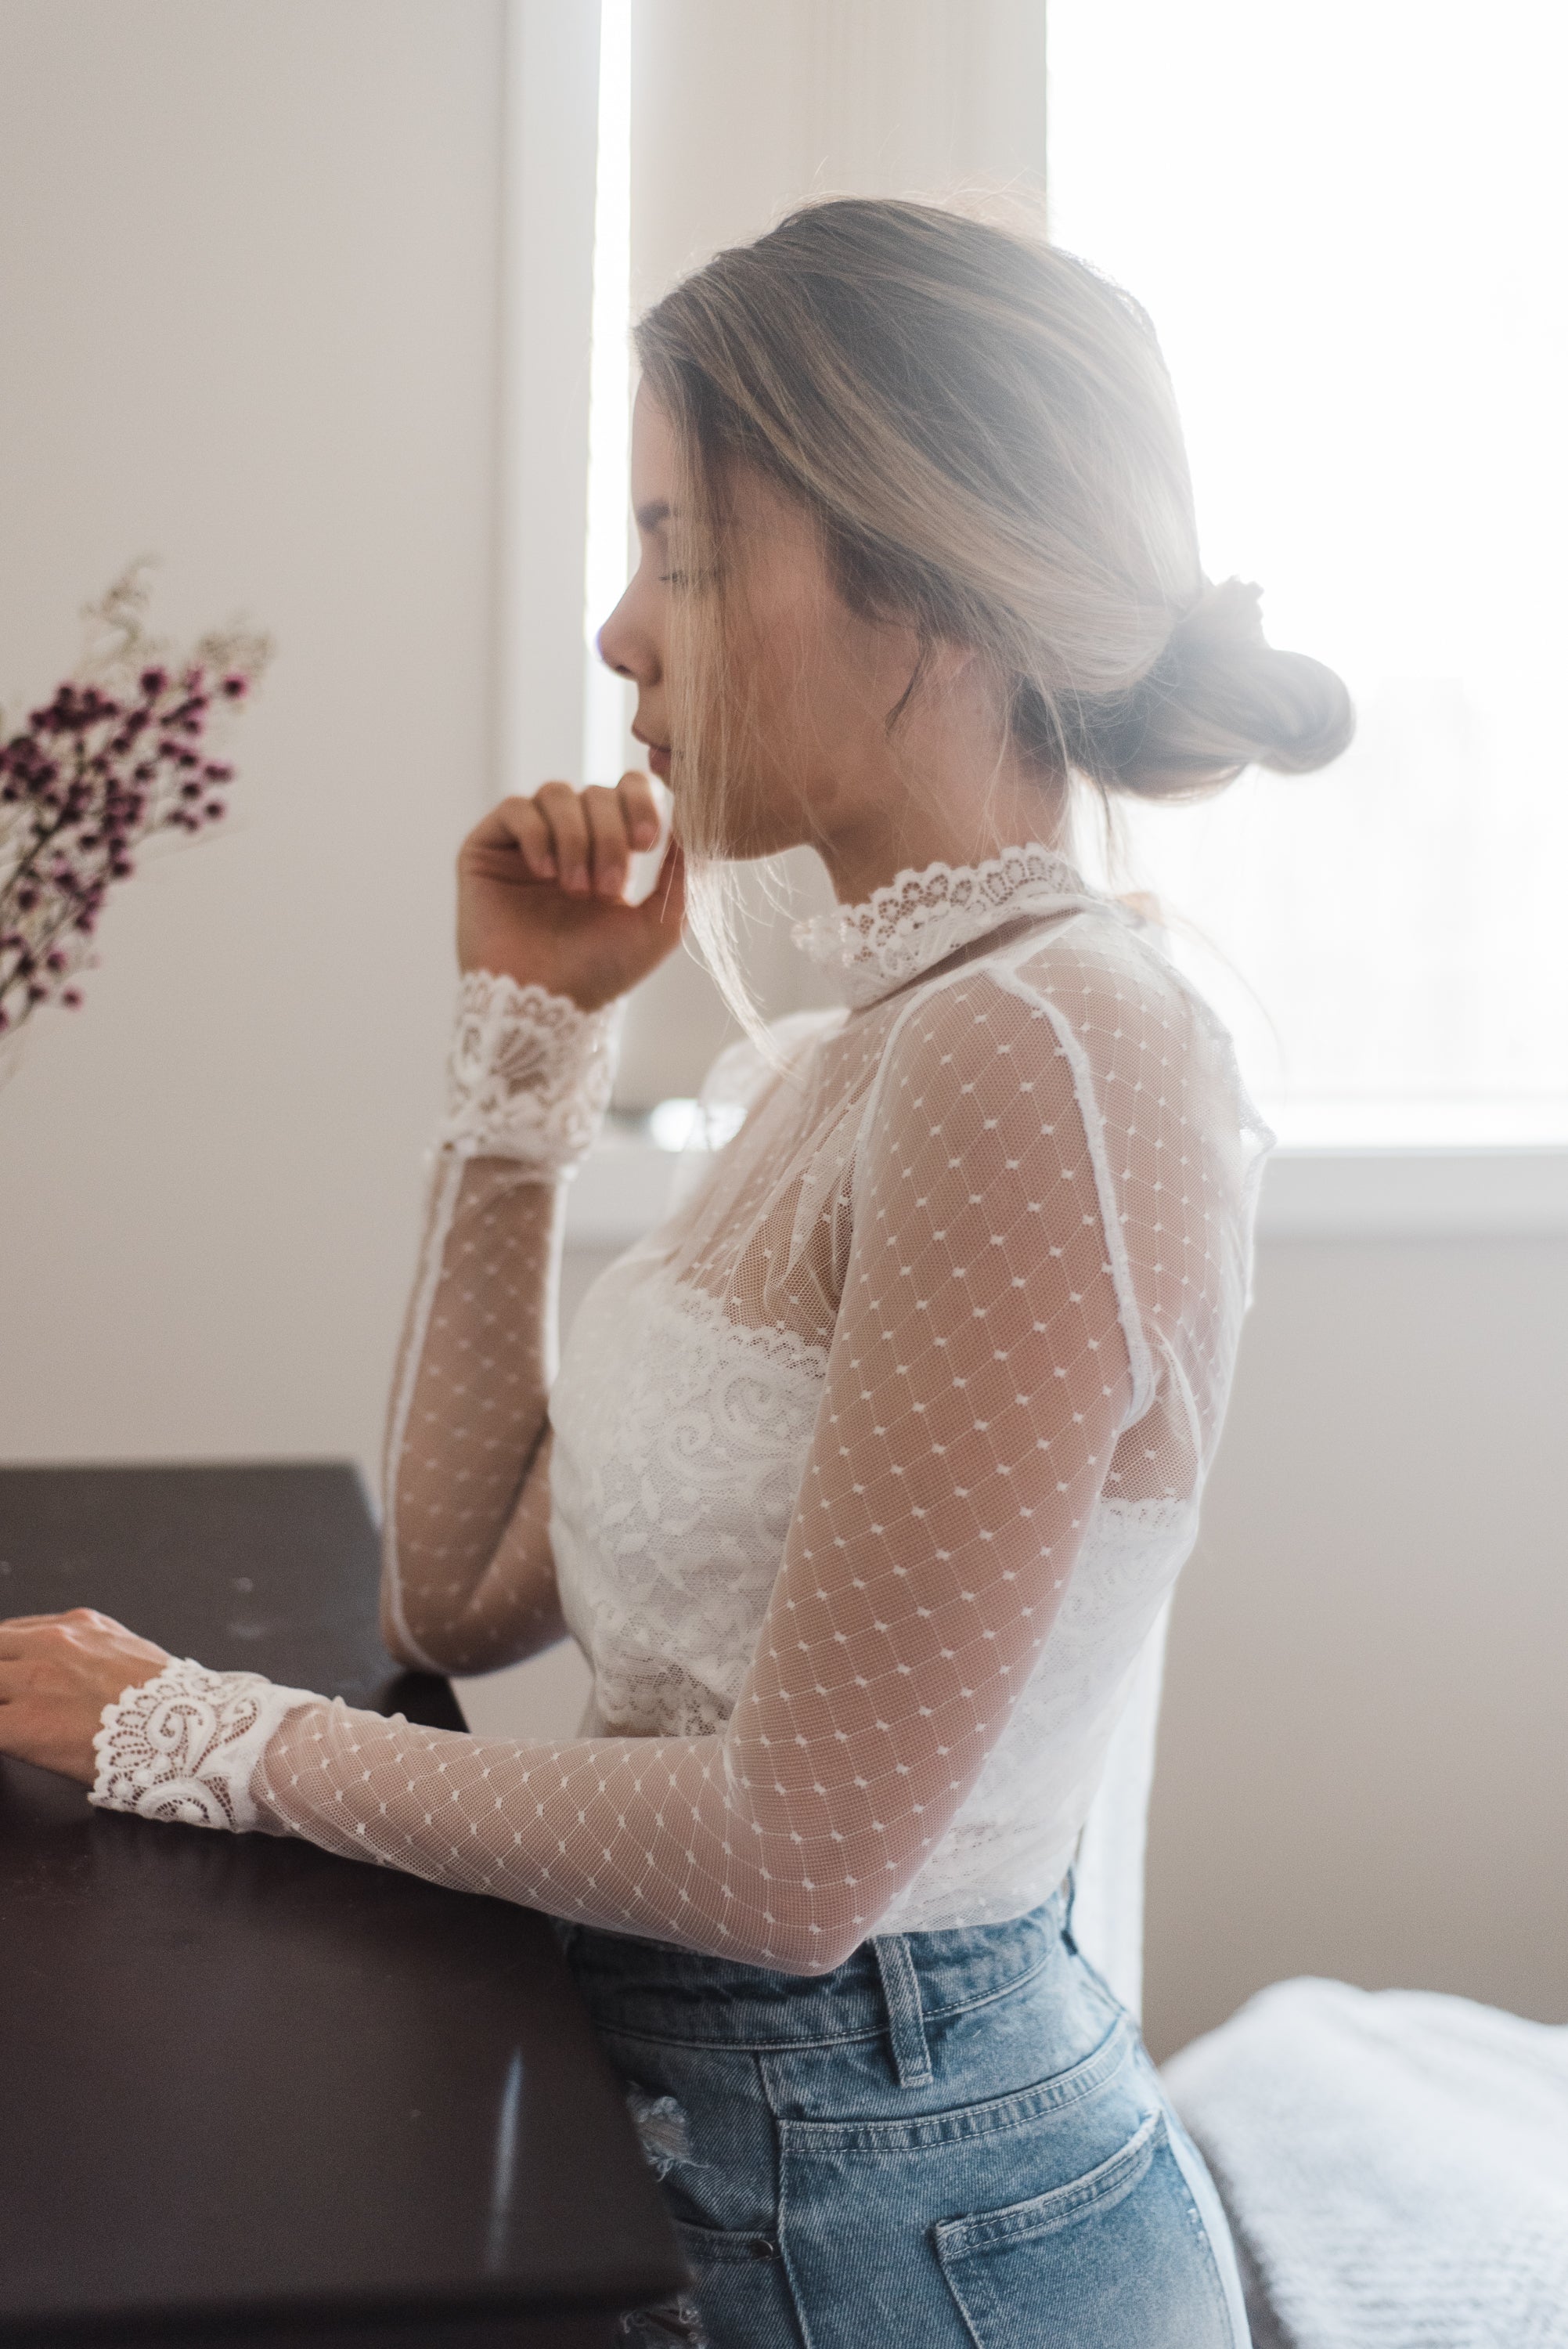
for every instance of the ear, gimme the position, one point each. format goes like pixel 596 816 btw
pixel 946 663
pixel 950 661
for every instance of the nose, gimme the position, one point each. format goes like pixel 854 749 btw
pixel 626 648
pixel 620 666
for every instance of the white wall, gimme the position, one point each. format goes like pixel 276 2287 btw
pixel 248 275
pixel 1362 1767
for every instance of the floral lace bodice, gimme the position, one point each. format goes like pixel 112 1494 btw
pixel 862 1479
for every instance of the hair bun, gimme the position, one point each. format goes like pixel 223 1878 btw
pixel 1220 697
pixel 1227 610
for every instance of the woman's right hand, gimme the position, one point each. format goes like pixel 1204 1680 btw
pixel 539 890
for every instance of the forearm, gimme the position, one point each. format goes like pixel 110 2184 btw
pixel 468 1581
pixel 938 1523
pixel 680 1839
pixel 466 1577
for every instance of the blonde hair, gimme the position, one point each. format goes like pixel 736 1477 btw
pixel 983 430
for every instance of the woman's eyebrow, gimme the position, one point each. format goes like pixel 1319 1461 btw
pixel 653 516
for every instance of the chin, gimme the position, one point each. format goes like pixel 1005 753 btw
pixel 751 847
pixel 743 834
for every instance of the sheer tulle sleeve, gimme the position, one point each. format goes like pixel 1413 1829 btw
pixel 468 1580
pixel 979 1376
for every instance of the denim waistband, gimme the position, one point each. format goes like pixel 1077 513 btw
pixel 654 1988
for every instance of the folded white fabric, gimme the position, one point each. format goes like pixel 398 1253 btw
pixel 1394 2164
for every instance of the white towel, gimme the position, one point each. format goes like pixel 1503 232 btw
pixel 1394 2165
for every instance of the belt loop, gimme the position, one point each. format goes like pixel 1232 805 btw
pixel 906 2018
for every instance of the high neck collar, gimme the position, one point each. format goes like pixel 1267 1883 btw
pixel 917 919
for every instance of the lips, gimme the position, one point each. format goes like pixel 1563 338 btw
pixel 659 753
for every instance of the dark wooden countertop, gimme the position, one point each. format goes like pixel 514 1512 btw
pixel 249 2091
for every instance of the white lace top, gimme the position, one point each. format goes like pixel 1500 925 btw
pixel 862 1481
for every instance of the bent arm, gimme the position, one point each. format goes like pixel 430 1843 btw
pixel 468 1580
pixel 977 1381
pixel 980 1376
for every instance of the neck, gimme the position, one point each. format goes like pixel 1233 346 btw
pixel 965 819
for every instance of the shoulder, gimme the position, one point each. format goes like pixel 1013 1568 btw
pixel 1094 963
pixel 1027 999
pixel 1155 1073
pixel 1135 1019
pixel 972 1056
pixel 1090 1008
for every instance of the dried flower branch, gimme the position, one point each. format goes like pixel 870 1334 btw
pixel 119 753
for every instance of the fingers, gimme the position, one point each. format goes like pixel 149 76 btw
pixel 19 1634
pixel 611 849
pixel 90 1618
pixel 561 809
pixel 32 1635
pixel 639 807
pixel 532 834
pixel 585 840
pixel 517 827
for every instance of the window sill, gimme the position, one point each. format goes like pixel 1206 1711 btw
pixel 1415 1194
pixel 624 1190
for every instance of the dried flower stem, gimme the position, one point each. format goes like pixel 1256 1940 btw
pixel 117 754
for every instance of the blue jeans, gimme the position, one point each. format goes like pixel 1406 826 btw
pixel 954 2138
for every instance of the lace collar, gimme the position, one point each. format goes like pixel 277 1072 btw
pixel 917 919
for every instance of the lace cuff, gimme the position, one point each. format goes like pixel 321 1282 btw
pixel 183 1746
pixel 528 1075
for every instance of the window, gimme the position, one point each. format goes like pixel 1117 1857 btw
pixel 1346 222
pixel 607 746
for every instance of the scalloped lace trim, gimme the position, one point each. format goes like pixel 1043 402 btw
pixel 184 1746
pixel 917 919
pixel 528 1075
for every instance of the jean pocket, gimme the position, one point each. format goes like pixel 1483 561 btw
pixel 741 2292
pixel 1119 2255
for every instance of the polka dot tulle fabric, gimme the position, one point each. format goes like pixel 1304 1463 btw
pixel 862 1481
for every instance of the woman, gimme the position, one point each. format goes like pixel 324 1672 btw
pixel 864 1478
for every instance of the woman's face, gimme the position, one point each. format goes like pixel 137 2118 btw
pixel 817 679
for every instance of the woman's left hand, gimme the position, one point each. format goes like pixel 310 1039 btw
pixel 56 1675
